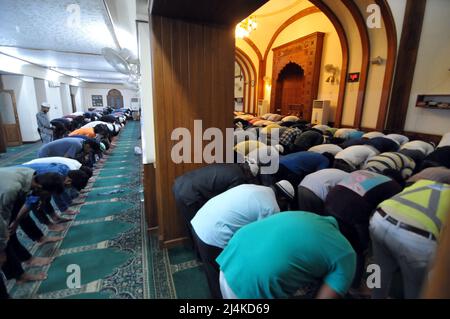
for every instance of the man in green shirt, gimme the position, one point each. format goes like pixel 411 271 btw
pixel 281 255
pixel 17 186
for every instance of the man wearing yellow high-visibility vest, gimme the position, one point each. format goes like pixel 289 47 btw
pixel 405 230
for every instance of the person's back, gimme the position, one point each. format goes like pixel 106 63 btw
pixel 391 160
pixel 71 163
pixel 383 144
pixel 425 147
pixel 322 181
pixel 308 139
pixel 89 132
pixel 439 157
pixel 438 174
pixel 196 187
pixel 245 147
pixel 277 256
pixel 356 155
pixel 217 221
pixel 42 168
pixel 65 147
pixel 306 162
pixel 424 205
pixel 356 196
pixel 333 149
pixel 13 181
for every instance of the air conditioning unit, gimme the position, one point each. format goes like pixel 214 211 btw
pixel 320 112
pixel 263 107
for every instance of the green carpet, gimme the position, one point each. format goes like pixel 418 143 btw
pixel 108 238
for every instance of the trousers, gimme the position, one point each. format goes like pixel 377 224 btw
pixel 397 248
pixel 3 290
pixel 208 255
pixel 308 201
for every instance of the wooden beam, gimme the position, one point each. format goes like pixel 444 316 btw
pixel 365 42
pixel 148 182
pixel 391 34
pixel 219 12
pixel 406 64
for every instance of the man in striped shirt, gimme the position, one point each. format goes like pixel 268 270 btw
pixel 391 160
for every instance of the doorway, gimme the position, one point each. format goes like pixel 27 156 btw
pixel 115 99
pixel 10 125
pixel 74 103
pixel 290 90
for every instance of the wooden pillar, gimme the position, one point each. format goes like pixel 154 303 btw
pixel 406 64
pixel 193 76
pixel 150 196
pixel 438 287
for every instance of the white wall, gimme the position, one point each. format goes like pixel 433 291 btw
pixel 23 87
pixel 126 93
pixel 432 75
pixel 66 101
pixel 398 12
pixel 375 76
pixel 51 95
pixel 146 95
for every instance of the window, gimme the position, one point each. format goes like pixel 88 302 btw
pixel 97 100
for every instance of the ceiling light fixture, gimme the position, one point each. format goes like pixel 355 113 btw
pixel 245 27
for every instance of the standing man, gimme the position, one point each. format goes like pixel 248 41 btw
pixel 44 126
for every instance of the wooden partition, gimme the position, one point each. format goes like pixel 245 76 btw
pixel 193 76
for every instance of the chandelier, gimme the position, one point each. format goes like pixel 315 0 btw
pixel 245 27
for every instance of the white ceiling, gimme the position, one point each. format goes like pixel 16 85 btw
pixel 46 33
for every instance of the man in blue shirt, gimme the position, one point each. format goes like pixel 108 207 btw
pixel 75 148
pixel 72 179
pixel 217 221
pixel 294 167
pixel 284 254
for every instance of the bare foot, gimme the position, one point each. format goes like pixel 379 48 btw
pixel 39 261
pixel 47 239
pixel 27 277
pixel 62 220
pixel 56 228
pixel 70 212
pixel 77 203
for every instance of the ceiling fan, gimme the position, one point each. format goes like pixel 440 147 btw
pixel 123 61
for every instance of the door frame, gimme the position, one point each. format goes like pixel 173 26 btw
pixel 16 117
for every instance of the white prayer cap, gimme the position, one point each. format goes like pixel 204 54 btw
pixel 286 188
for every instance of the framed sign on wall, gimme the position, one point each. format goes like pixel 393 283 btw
pixel 97 100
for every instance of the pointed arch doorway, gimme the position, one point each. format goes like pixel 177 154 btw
pixel 115 99
pixel 290 88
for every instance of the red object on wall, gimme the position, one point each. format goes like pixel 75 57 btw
pixel 353 77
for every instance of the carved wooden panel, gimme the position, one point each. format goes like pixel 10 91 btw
pixel 305 52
